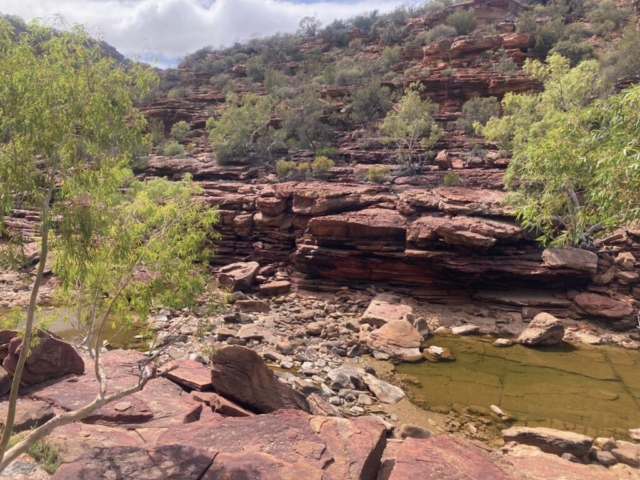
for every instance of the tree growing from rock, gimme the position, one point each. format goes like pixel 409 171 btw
pixel 69 131
pixel 244 128
pixel 412 128
pixel 575 167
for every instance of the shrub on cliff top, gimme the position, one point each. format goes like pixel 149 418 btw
pixel 464 21
pixel 321 166
pixel 438 33
pixel 180 131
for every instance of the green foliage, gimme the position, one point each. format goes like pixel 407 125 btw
pixel 451 179
pixel 464 21
pixel 304 170
pixel 255 71
pixel 412 127
pixel 527 23
pixel 605 16
pixel 548 35
pixel 574 49
pixel 244 128
pixel 171 149
pixel 623 61
pixel 274 79
pixel 321 166
pixel 309 26
pixel 178 92
pixel 220 81
pixel 46 454
pixel 506 66
pixel 303 124
pixel 156 130
pixel 144 248
pixel 330 152
pixel 370 102
pixel 180 131
pixel 438 33
pixel 524 114
pixel 377 174
pixel 285 168
pixel 574 167
pixel 390 56
pixel 478 110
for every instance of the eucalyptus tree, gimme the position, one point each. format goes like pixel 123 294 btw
pixel 68 133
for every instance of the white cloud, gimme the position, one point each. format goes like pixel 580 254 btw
pixel 173 28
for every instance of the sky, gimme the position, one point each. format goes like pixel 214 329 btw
pixel 169 29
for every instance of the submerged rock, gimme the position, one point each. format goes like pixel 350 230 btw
pixel 436 354
pixel 385 392
pixel 397 339
pixel 544 329
pixel 466 330
pixel 550 440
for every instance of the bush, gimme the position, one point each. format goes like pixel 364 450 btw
pixel 285 168
pixel 451 179
pixel 464 21
pixel 527 23
pixel 330 152
pixel 178 92
pixel 172 149
pixel 606 17
pixel 548 35
pixel 46 454
pixel 506 66
pixel 575 50
pixel 623 61
pixel 180 131
pixel 370 101
pixel 321 166
pixel 438 33
pixel 220 81
pixel 389 57
pixel 156 130
pixel 478 110
pixel 304 170
pixel 274 79
pixel 377 174
pixel 255 71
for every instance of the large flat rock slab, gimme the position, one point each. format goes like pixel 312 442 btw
pixel 191 374
pixel 140 463
pixel 383 310
pixel 333 448
pixel 160 404
pixel 445 458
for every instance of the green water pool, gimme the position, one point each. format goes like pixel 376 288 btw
pixel 591 390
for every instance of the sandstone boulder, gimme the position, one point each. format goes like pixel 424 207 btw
pixel 601 306
pixel 382 310
pixel 626 260
pixel 550 440
pixel 445 458
pixel 238 276
pixel 398 339
pixel 544 329
pixel 5 381
pixel 51 358
pixel 279 287
pixel 573 258
pixel 239 374
pixel 385 392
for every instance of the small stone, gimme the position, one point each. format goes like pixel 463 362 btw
pixel 603 458
pixel 314 329
pixel 627 454
pixel 498 411
pixel 634 433
pixel 357 410
pixel 122 406
pixel 503 342
pixel 414 431
pixel 606 444
pixel 365 400
pixel 466 330
pixel 335 400
pixel 571 458
pixel 284 347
